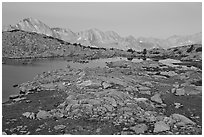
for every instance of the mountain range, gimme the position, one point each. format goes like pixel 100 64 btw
pixel 109 39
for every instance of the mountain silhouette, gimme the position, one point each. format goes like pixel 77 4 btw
pixel 109 39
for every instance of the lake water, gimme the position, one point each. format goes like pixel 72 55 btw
pixel 17 74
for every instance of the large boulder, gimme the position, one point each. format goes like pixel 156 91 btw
pixel 180 92
pixel 139 129
pixel 141 99
pixel 157 98
pixel 147 92
pixel 141 88
pixel 59 127
pixel 30 115
pixel 106 85
pixel 111 101
pixel 42 114
pixel 26 114
pixel 4 133
pixel 147 83
pixel 86 83
pixel 161 126
pixel 169 73
pixel 91 84
pixel 182 120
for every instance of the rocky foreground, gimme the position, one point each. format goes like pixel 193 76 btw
pixel 124 98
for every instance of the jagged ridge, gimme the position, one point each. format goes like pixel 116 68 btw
pixel 110 39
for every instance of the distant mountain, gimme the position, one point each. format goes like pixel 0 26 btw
pixel 98 38
pixel 185 40
pixel 109 39
pixel 65 34
pixel 34 25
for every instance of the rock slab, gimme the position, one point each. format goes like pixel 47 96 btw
pixel 160 127
pixel 139 129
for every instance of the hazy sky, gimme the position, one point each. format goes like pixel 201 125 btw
pixel 159 20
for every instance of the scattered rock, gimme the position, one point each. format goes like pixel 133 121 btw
pixel 147 83
pixel 182 120
pixel 28 133
pixel 28 101
pixel 143 88
pixel 98 130
pixel 13 96
pixel 93 101
pixel 121 64
pixel 199 88
pixel 147 92
pixel 59 127
pixel 108 107
pixel 160 127
pixel 49 86
pixel 180 92
pixel 106 85
pixel 26 114
pixel 173 90
pixel 157 98
pixel 169 73
pixel 30 115
pixel 22 89
pixel 16 85
pixel 58 114
pixel 124 133
pixel 111 101
pixel 176 85
pixel 4 133
pixel 178 105
pixel 159 77
pixel 43 115
pixel 169 121
pixel 86 83
pixel 38 129
pixel 140 99
pixel 139 129
pixel 19 99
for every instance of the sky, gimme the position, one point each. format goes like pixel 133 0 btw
pixel 159 20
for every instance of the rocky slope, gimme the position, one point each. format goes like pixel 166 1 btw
pixel 185 40
pixel 19 44
pixel 109 39
pixel 64 34
pixel 184 53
